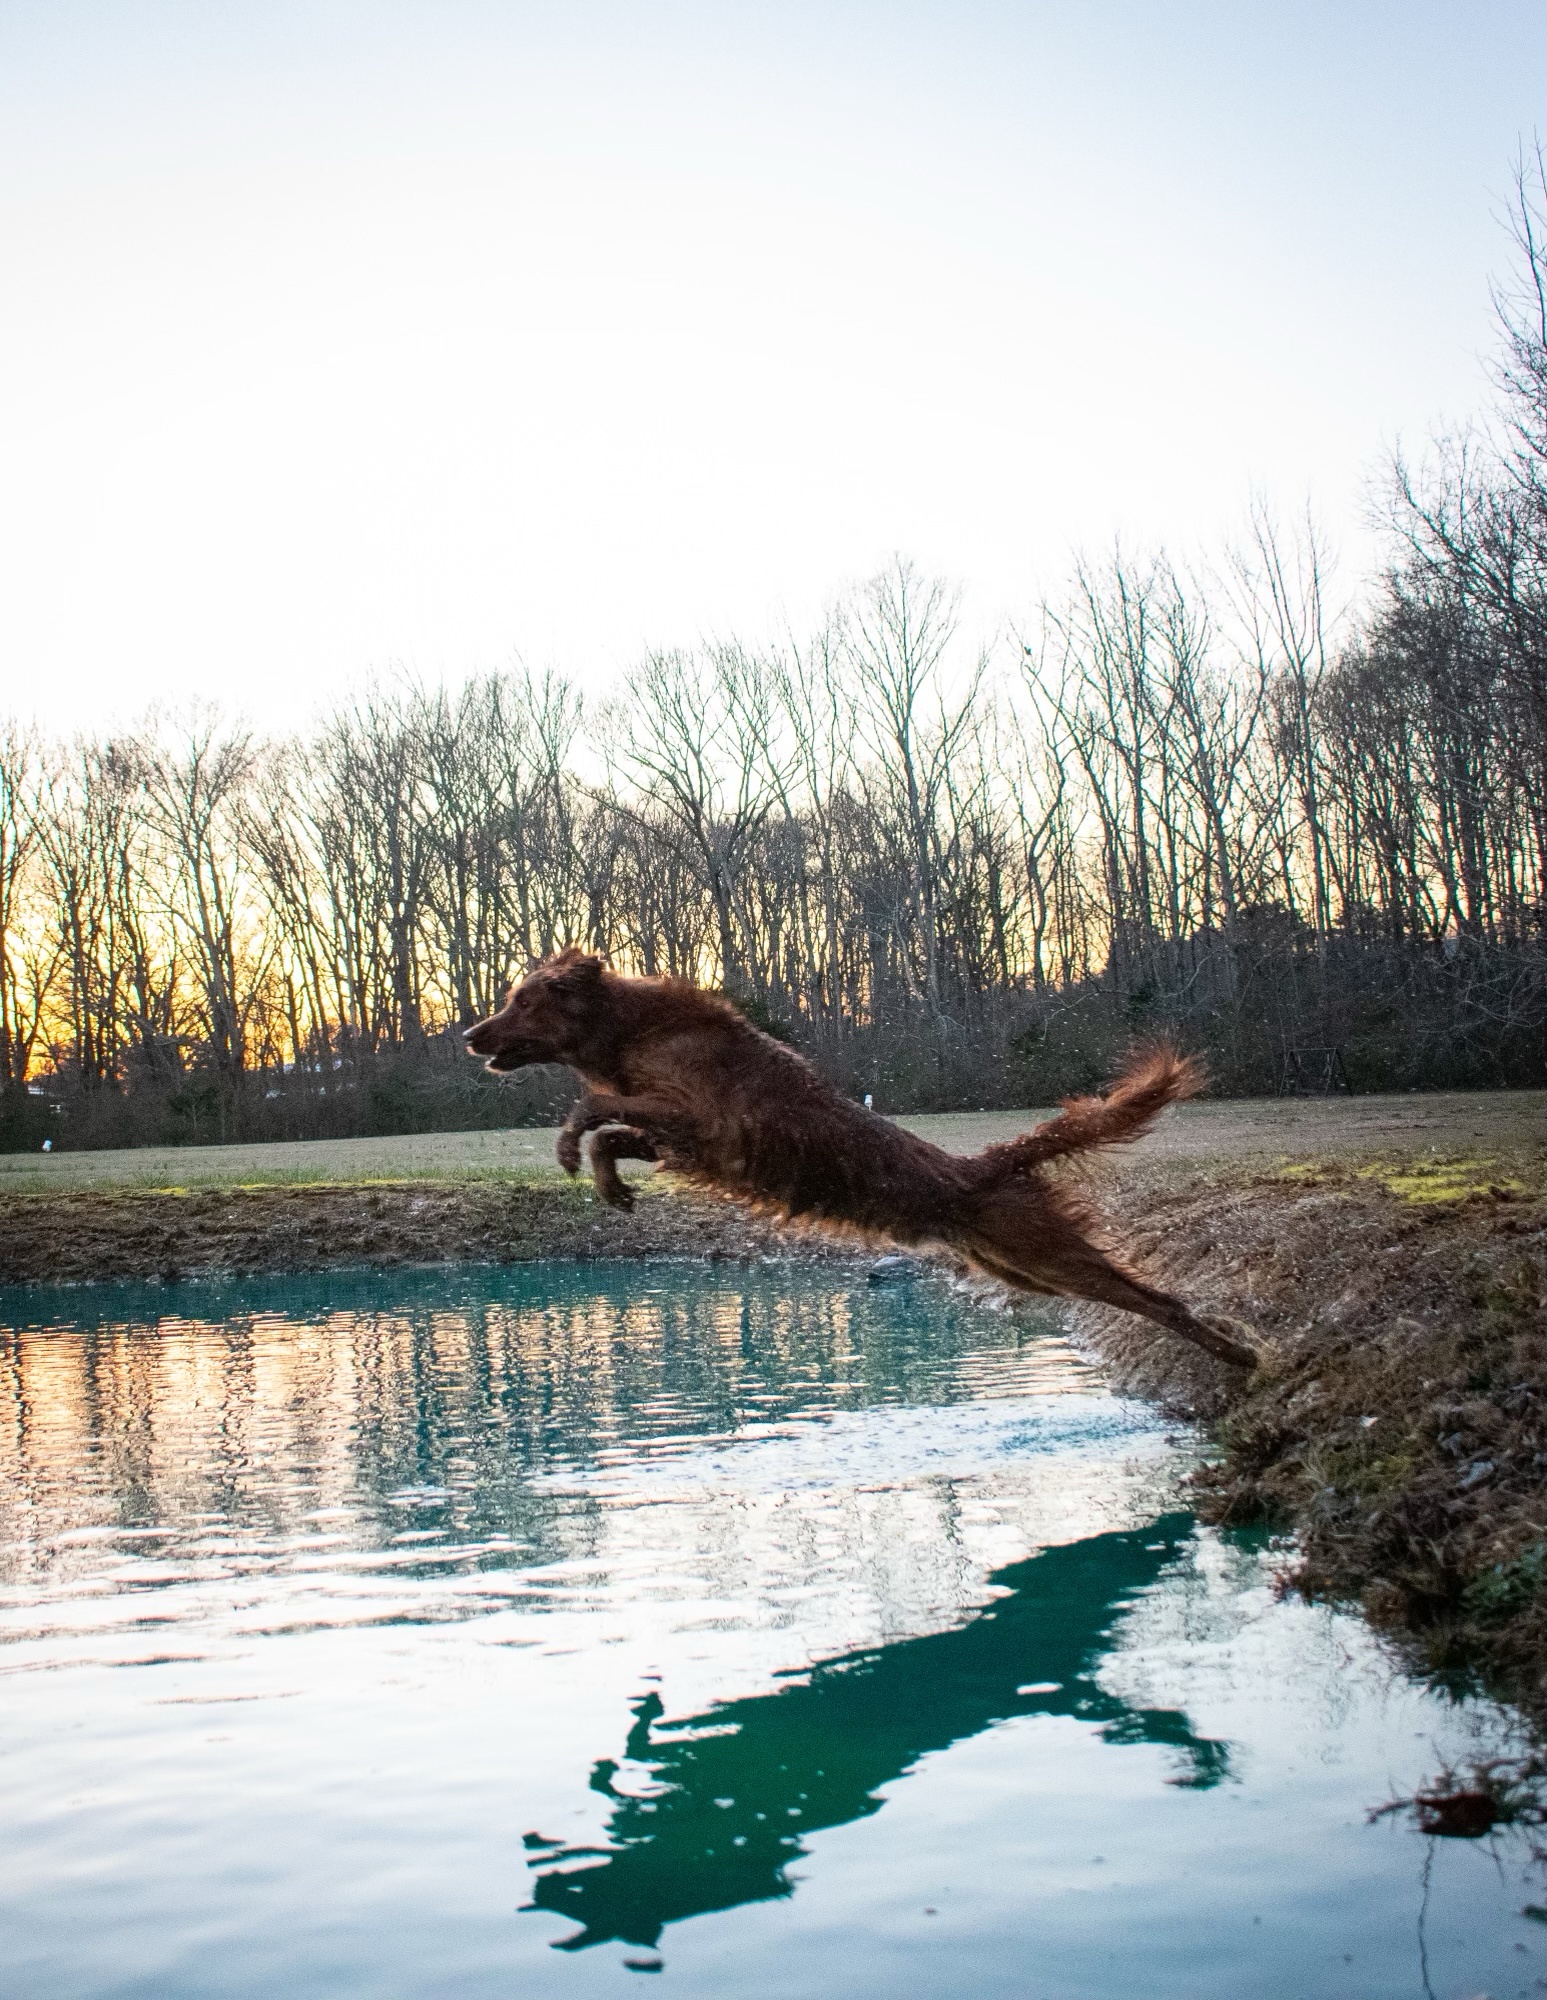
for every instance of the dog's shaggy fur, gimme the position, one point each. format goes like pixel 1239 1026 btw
pixel 676 1074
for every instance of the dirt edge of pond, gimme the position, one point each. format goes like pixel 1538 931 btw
pixel 169 1235
pixel 1398 1421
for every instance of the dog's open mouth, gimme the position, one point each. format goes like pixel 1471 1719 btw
pixel 514 1055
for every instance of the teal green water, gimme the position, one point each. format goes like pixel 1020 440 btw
pixel 540 1630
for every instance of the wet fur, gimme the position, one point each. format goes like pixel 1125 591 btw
pixel 678 1075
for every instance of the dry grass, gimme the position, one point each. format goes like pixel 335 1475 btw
pixel 1264 1130
pixel 427 1156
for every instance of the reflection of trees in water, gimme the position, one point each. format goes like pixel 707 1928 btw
pixel 722 1802
pixel 273 1397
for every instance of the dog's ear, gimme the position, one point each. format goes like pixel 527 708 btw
pixel 576 976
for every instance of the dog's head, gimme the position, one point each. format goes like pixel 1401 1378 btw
pixel 545 1018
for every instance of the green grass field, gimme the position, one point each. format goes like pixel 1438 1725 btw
pixel 1269 1128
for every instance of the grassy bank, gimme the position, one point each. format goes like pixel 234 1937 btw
pixel 1398 1423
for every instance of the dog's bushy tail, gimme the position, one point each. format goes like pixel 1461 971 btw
pixel 1157 1078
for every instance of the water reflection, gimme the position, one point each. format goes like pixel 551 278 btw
pixel 712 1810
pixel 259 1403
pixel 436 1446
pixel 314 1594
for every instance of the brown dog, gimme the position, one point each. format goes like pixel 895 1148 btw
pixel 677 1075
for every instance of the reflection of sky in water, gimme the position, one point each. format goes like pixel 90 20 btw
pixel 815 1638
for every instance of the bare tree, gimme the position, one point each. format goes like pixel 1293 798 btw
pixel 29 956
pixel 896 639
pixel 194 776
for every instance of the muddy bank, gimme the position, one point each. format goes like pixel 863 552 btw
pixel 1398 1423
pixel 90 1237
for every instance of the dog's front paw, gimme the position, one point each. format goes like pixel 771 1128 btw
pixel 568 1151
pixel 617 1193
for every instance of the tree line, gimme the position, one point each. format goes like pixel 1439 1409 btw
pixel 1190 799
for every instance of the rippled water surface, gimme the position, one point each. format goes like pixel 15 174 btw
pixel 533 1631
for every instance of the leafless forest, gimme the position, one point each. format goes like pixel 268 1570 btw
pixel 1204 800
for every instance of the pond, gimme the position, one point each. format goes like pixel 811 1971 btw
pixel 537 1630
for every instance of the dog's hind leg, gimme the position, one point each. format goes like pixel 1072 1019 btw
pixel 1108 1286
pixel 611 1144
pixel 1048 1254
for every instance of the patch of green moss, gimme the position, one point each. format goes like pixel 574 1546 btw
pixel 1454 1179
pixel 1308 1173
pixel 1508 1588
pixel 1393 1471
pixel 1447 1178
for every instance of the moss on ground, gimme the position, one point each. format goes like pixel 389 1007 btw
pixel 1449 1178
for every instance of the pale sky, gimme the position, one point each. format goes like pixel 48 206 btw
pixel 338 337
